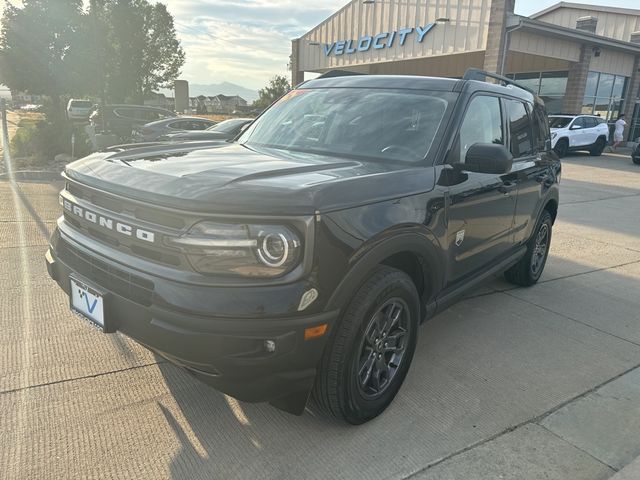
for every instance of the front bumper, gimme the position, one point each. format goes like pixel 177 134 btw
pixel 227 353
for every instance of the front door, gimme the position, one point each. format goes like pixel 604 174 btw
pixel 481 206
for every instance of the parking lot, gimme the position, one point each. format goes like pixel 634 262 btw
pixel 508 383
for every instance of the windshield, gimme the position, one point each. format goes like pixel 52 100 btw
pixel 227 126
pixel 374 123
pixel 559 122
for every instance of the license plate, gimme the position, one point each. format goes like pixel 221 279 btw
pixel 87 301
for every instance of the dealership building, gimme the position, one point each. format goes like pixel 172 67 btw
pixel 579 58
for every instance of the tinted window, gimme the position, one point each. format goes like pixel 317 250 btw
pixel 482 124
pixel 520 129
pixel 590 122
pixel 125 112
pixel 559 122
pixel 540 127
pixel 579 122
pixel 177 125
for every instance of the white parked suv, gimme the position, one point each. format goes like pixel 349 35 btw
pixel 578 132
pixel 79 110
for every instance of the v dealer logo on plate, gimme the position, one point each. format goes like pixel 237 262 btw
pixel 86 299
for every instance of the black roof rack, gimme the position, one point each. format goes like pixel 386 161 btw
pixel 339 73
pixel 481 76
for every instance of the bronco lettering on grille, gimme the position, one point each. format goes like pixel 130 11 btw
pixel 109 223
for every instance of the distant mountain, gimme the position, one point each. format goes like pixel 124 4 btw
pixel 224 88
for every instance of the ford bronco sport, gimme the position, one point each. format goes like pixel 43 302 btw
pixel 298 260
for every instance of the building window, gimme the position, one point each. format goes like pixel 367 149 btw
pixel 550 86
pixel 604 95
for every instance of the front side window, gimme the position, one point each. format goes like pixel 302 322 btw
pixel 385 124
pixel 519 128
pixel 482 124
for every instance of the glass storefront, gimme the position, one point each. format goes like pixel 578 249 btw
pixel 550 86
pixel 604 95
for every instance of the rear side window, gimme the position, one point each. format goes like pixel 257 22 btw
pixel 540 128
pixel 519 128
pixel 482 124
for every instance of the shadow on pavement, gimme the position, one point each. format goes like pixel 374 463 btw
pixel 484 366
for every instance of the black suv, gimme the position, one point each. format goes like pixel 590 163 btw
pixel 121 119
pixel 300 259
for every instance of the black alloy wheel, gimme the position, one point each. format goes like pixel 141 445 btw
pixel 370 348
pixel 382 348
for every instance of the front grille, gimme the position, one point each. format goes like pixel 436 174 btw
pixel 132 287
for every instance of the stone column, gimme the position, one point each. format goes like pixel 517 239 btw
pixel 577 79
pixel 633 89
pixel 497 35
pixel 297 76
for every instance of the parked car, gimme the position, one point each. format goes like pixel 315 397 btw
pixel 578 132
pixel 151 131
pixel 635 155
pixel 79 110
pixel 120 119
pixel 301 258
pixel 225 130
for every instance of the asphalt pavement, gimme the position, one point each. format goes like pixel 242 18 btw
pixel 509 383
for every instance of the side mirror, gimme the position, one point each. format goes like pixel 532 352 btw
pixel 488 158
pixel 575 127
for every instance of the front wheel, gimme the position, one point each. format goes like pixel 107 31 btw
pixel 529 269
pixel 370 350
pixel 562 148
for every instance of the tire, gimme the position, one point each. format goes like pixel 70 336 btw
pixel 350 384
pixel 598 147
pixel 562 147
pixel 529 269
pixel 636 160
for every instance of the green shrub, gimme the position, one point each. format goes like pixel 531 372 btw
pixel 37 144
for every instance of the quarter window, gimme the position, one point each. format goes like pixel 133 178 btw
pixel 520 129
pixel 482 124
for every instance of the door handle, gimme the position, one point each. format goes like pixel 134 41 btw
pixel 506 187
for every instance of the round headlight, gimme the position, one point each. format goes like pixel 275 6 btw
pixel 273 249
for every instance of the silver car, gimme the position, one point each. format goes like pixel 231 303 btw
pixel 151 131
pixel 224 130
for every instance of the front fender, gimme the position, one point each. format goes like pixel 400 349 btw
pixel 416 240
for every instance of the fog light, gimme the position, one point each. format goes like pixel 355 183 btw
pixel 270 346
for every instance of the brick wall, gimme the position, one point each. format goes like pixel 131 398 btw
pixel 496 36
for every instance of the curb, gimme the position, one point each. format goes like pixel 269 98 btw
pixel 33 176
pixel 630 472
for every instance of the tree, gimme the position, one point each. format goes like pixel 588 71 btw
pixel 41 48
pixel 277 86
pixel 142 53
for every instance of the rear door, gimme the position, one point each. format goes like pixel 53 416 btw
pixel 591 130
pixel 532 165
pixel 481 206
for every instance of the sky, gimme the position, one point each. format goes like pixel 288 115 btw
pixel 248 41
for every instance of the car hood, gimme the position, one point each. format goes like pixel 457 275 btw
pixel 199 135
pixel 233 178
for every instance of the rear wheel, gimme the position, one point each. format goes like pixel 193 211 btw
pixel 370 350
pixel 636 160
pixel 529 269
pixel 598 147
pixel 562 147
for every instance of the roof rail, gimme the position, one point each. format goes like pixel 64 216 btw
pixel 481 76
pixel 339 73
